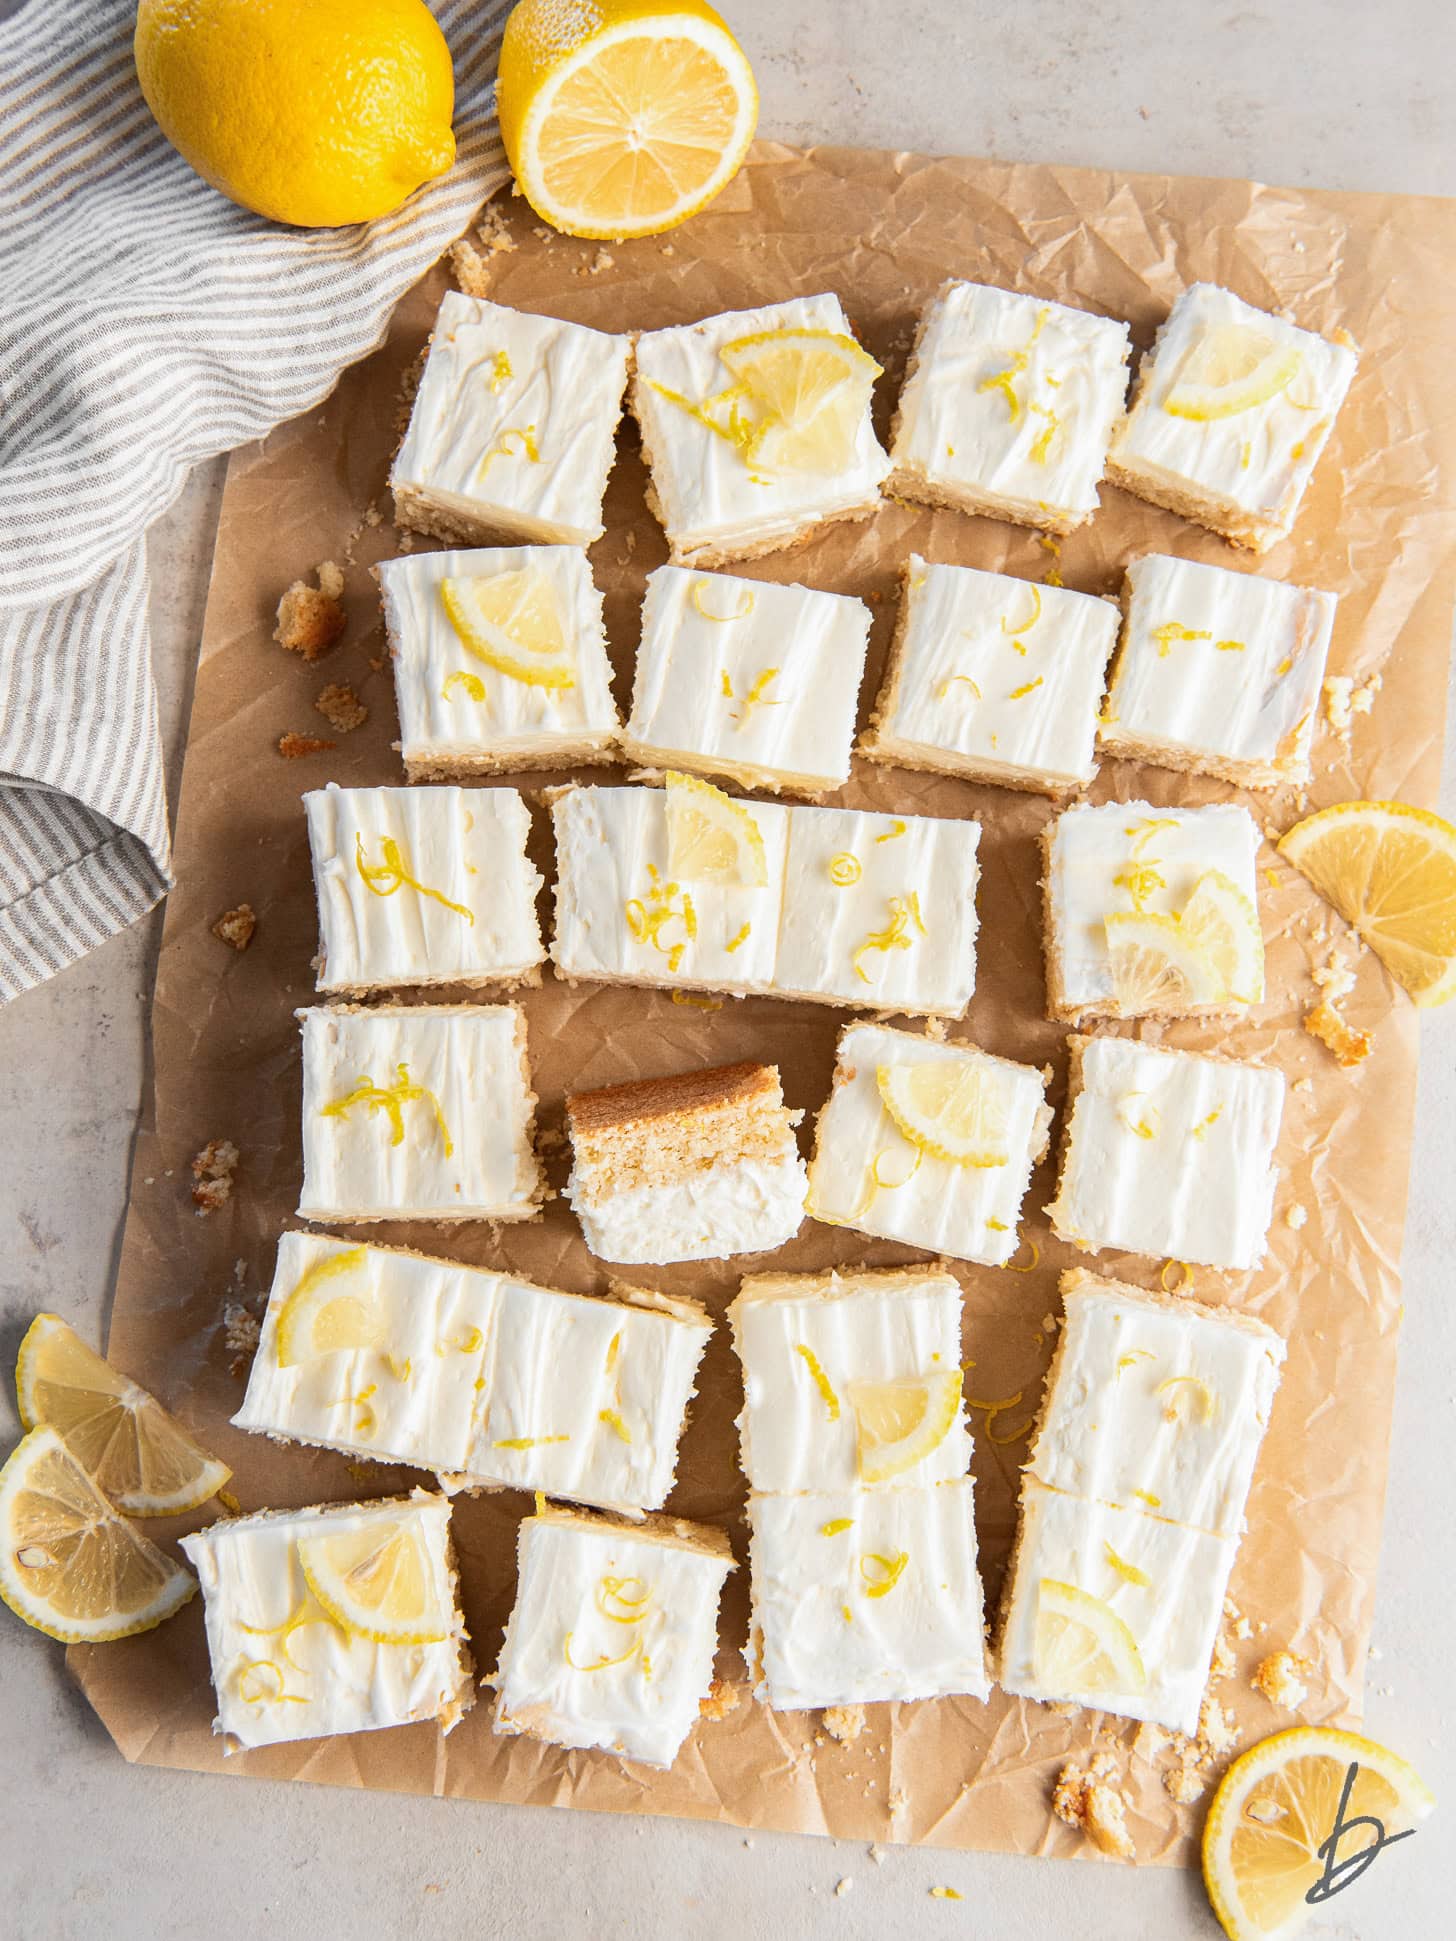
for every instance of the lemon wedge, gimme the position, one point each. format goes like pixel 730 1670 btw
pixel 1082 1648
pixel 807 393
pixel 1157 966
pixel 320 1318
pixel 899 1423
pixel 622 117
pixel 1222 922
pixel 140 1457
pixel 375 1582
pixel 1277 1803
pixel 511 622
pixel 710 837
pixel 1231 370
pixel 69 1564
pixel 953 1111
pixel 1390 871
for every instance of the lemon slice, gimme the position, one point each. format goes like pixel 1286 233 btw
pixel 1157 966
pixel 375 1582
pixel 1231 370
pixel 810 390
pixel 1082 1648
pixel 622 117
pixel 710 837
pixel 321 1318
pixel 1221 921
pixel 511 622
pixel 1277 1803
pixel 141 1458
pixel 953 1111
pixel 900 1422
pixel 69 1564
pixel 1389 870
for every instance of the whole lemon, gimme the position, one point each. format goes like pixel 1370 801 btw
pixel 314 112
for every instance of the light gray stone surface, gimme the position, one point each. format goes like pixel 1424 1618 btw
pixel 1305 91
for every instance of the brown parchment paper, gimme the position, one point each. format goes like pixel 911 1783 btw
pixel 1378 527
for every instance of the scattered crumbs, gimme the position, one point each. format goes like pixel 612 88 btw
pixel 1063 1707
pixel 1302 1085
pixel 341 707
pixel 240 1331
pixel 1222 1663
pixel 229 1502
pixel 1048 1324
pixel 603 260
pixel 937 1030
pixel 1150 1741
pixel 844 1722
pixel 236 927
pixel 471 257
pixel 1184 1785
pixel 545 235
pixel 668 249
pixel 945 1894
pixel 722 1699
pixel 1096 1808
pixel 212 1174
pixel 898 1801
pixel 877 1854
pixel 1281 1677
pixel 372 515
pixel 1241 1626
pixel 311 618
pixel 294 747
pixel 1216 1730
pixel 1296 1216
pixel 1335 980
pixel 406 542
pixel 843 1887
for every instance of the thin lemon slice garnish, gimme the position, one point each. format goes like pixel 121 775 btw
pixel 140 1457
pixel 321 1318
pixel 1156 966
pixel 710 837
pixel 1082 1648
pixel 511 622
pixel 1231 370
pixel 70 1565
pixel 900 1422
pixel 376 1582
pixel 1222 922
pixel 806 393
pixel 953 1110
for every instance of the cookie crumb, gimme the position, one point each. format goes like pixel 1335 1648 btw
pixel 1296 1216
pixel 844 1722
pixel 1345 698
pixel 212 1173
pixel 241 1329
pixel 236 927
pixel 722 1699
pixel 311 618
pixel 341 707
pixel 1281 1678
pixel 843 1887
pixel 294 747
pixel 1096 1808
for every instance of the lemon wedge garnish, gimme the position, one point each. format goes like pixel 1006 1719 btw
pixel 1390 871
pixel 69 1564
pixel 511 622
pixel 320 1318
pixel 1277 1803
pixel 1222 922
pixel 140 1457
pixel 375 1582
pixel 900 1422
pixel 621 117
pixel 710 837
pixel 953 1111
pixel 1082 1648
pixel 1157 966
pixel 806 394
pixel 1230 370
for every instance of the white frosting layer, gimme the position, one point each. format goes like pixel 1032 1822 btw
pixel 588 1596
pixel 477 420
pixel 826 1631
pixel 464 1147
pixel 252 1583
pixel 967 1211
pixel 864 1327
pixel 1156 1407
pixel 799 652
pixel 957 425
pixel 460 847
pixel 1250 700
pixel 709 495
pixel 1260 459
pixel 998 674
pixel 1174 1619
pixel 1170 1154
pixel 737 1207
pixel 439 718
pixel 1170 848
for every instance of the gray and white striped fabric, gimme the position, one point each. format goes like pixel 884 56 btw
pixel 145 323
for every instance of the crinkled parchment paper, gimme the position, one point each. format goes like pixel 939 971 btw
pixel 1378 527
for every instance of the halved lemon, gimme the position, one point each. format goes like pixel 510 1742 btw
pixel 321 1317
pixel 1081 1647
pixel 1389 870
pixel 1221 921
pixel 1157 966
pixel 952 1110
pixel 1275 1806
pixel 376 1582
pixel 710 837
pixel 511 622
pixel 622 117
pixel 807 392
pixel 899 1423
pixel 1232 369
pixel 141 1458
pixel 69 1563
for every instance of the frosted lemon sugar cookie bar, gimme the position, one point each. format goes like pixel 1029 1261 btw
pixel 611 1640
pixel 422 886
pixel 929 1143
pixel 513 427
pixel 1231 410
pixel 1218 672
pixel 1168 1153
pixel 1008 407
pixel 417 1112
pixel 756 428
pixel 994 679
pixel 698 1166
pixel 487 1379
pixel 500 660
pixel 1151 912
pixel 746 679
pixel 341 1619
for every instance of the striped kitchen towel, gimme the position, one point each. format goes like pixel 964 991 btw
pixel 145 323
